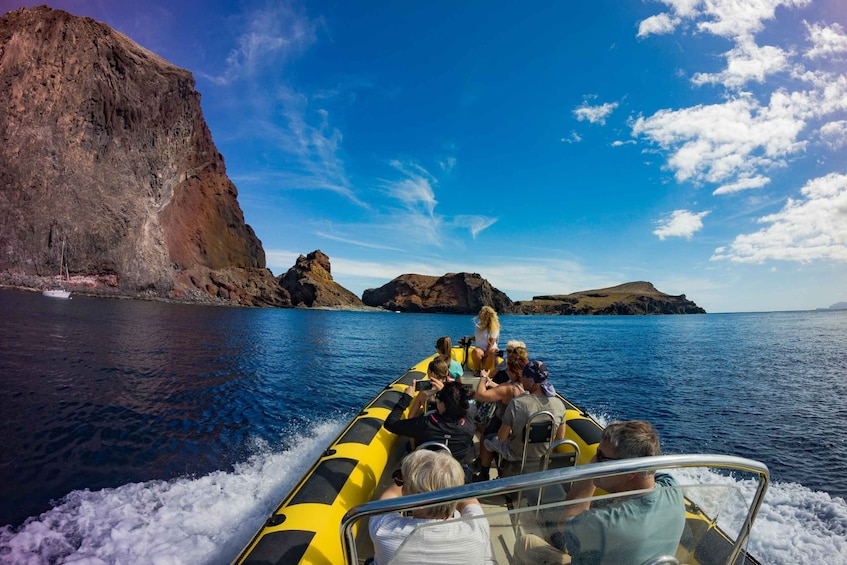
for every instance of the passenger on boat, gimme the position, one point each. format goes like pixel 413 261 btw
pixel 499 396
pixel 630 529
pixel 448 424
pixel 509 442
pixel 513 347
pixel 445 541
pixel 438 373
pixel 444 346
pixel 486 334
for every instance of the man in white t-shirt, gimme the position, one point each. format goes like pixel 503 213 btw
pixel 429 535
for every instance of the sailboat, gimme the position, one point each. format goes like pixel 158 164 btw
pixel 59 292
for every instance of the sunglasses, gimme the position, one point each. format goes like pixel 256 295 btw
pixel 600 457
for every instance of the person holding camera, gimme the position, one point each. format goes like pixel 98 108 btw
pixel 448 424
pixel 438 372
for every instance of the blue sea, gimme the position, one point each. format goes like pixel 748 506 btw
pixel 149 432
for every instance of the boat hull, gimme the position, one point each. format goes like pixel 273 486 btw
pixel 305 526
pixel 56 293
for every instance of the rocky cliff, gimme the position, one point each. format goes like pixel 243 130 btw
pixel 104 152
pixel 309 283
pixel 626 299
pixel 453 293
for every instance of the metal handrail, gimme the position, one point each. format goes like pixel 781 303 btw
pixel 564 475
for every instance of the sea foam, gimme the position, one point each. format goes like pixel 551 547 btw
pixel 209 519
pixel 204 520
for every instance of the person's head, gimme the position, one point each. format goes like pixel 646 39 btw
pixel 536 379
pixel 425 471
pixel 626 440
pixel 439 369
pixel 514 347
pixel 514 366
pixel 488 320
pixel 453 400
pixel 444 345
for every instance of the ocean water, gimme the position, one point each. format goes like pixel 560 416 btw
pixel 145 432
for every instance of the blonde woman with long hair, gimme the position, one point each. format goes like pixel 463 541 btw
pixel 486 334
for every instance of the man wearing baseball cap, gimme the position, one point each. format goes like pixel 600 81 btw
pixel 509 442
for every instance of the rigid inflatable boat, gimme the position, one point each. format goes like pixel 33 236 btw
pixel 323 520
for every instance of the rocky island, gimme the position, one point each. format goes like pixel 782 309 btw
pixel 626 299
pixel 453 293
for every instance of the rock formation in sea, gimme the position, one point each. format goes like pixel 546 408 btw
pixel 104 153
pixel 309 283
pixel 453 293
pixel 627 299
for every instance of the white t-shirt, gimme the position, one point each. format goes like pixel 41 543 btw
pixel 481 339
pixel 439 541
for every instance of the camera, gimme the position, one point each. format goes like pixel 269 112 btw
pixel 423 385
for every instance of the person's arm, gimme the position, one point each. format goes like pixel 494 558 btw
pixel 462 503
pixel 418 404
pixel 560 432
pixel 504 432
pixel 396 413
pixel 579 489
pixel 409 427
pixel 487 393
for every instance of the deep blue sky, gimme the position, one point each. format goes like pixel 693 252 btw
pixel 551 147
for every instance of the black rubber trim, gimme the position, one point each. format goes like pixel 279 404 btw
pixel 587 430
pixel 280 548
pixel 363 431
pixel 325 483
pixel 409 376
pixel 387 399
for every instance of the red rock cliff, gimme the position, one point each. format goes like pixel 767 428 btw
pixel 103 146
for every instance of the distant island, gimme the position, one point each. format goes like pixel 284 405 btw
pixel 836 306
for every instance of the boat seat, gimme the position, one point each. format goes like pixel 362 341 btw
pixel 435 446
pixel 540 428
pixel 662 560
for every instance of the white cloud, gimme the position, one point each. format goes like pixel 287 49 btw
pixel 348 241
pixel 681 223
pixel 572 138
pixel 595 114
pixel 734 18
pixel 827 41
pixel 619 143
pixel 719 142
pixel 311 141
pixel 683 8
pixel 475 224
pixel 447 164
pixel 807 229
pixel 414 191
pixel 834 134
pixel 747 62
pixel 659 24
pixel 725 18
pixel 269 35
pixel 742 184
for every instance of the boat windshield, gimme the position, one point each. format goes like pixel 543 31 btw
pixel 690 516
